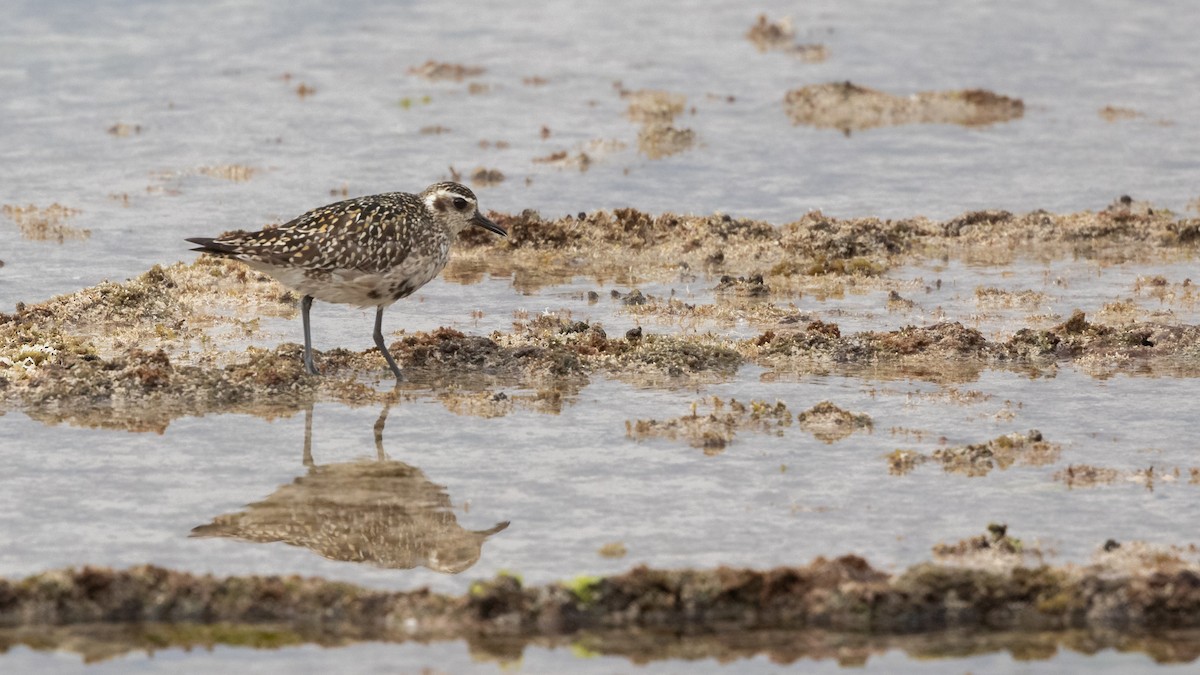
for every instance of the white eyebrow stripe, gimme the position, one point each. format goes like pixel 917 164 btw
pixel 431 199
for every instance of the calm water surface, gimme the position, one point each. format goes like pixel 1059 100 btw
pixel 214 84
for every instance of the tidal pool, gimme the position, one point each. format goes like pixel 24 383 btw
pixel 157 121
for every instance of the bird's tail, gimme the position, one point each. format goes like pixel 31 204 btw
pixel 210 245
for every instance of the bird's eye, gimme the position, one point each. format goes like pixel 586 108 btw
pixel 460 203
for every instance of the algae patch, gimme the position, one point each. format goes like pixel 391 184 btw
pixel 849 107
pixel 716 430
pixel 1127 589
pixel 655 111
pixel 779 36
pixel 1088 476
pixel 979 459
pixel 45 224
pixel 830 424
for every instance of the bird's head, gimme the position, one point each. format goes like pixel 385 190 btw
pixel 455 206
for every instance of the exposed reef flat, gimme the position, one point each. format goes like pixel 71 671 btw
pixel 1125 592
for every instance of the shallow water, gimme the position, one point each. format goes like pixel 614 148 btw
pixel 753 652
pixel 571 482
pixel 205 83
pixel 206 87
pixel 455 658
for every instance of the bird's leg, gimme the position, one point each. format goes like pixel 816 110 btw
pixel 308 460
pixel 382 456
pixel 383 347
pixel 305 306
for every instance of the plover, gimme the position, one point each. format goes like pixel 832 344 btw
pixel 368 251
pixel 383 512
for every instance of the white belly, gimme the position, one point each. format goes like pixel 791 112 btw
pixel 354 287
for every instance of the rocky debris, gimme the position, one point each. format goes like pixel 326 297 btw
pixel 45 224
pixel 484 177
pixel 994 546
pixel 716 430
pixel 842 594
pixel 1110 114
pixel 830 423
pixel 652 105
pixel 746 287
pixel 439 71
pixel 779 36
pixel 657 140
pixel 655 111
pixel 603 243
pixel 1086 476
pixel 979 459
pixel 849 107
pixel 137 354
pixel 142 351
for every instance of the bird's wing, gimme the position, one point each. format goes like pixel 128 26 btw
pixel 358 234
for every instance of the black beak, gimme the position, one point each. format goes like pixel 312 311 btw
pixel 487 224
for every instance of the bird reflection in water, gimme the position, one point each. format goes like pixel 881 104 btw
pixel 381 512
